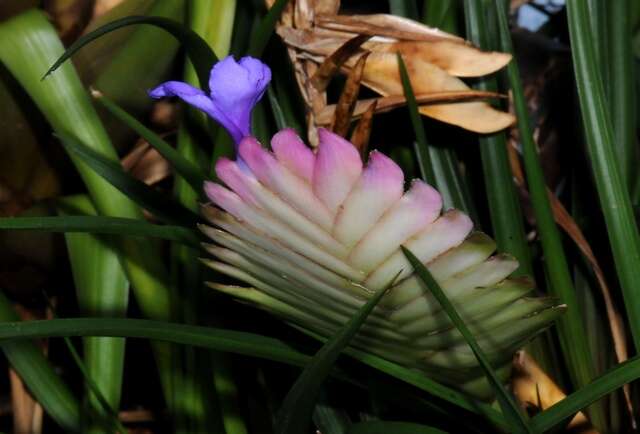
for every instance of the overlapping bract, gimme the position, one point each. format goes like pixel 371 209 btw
pixel 315 234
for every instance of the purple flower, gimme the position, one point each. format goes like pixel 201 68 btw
pixel 235 89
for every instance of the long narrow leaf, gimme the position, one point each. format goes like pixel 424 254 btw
pixel 93 257
pixel 424 161
pixel 509 408
pixel 295 414
pixel 613 194
pixel 219 339
pixel 159 204
pixel 264 31
pixel 102 225
pixel 199 51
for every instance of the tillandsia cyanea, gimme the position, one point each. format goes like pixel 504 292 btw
pixel 315 234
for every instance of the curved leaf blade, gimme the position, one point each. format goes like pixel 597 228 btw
pixel 200 54
pixel 509 408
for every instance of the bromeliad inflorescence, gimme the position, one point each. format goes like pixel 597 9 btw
pixel 315 234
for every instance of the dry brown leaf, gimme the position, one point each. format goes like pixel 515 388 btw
pixel 532 387
pixel 387 103
pixel 332 63
pixel 362 132
pixel 347 101
pixel 382 75
pixel 146 164
pixel 69 16
pixel 434 59
pixel 327 7
pixel 391 26
pixel 461 60
pixel 27 412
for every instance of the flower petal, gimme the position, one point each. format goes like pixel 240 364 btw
pixel 236 87
pixel 338 167
pixel 291 151
pixel 197 98
pixel 379 187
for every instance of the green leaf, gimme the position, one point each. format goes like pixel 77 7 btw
pixel 102 225
pixel 92 258
pixel 613 194
pixel 617 377
pixel 504 204
pixel 570 326
pixel 197 48
pixel 424 161
pixel 207 337
pixel 93 386
pixel 158 204
pixel 263 33
pixel 404 8
pixel 384 427
pixel 621 85
pixel 295 414
pixel 509 408
pixel 185 168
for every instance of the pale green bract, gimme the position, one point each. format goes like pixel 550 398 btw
pixel 314 235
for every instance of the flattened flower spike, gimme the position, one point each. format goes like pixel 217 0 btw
pixel 235 89
pixel 313 235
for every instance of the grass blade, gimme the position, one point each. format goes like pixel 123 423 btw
pixel 198 50
pixel 613 194
pixel 384 427
pixel 616 377
pixel 296 411
pixel 102 225
pixel 509 408
pixel 157 203
pixel 504 206
pixel 261 36
pixel 424 161
pixel 621 86
pixel 185 168
pixel 207 337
